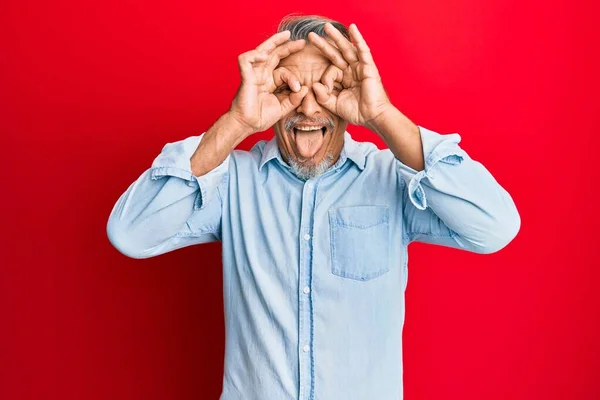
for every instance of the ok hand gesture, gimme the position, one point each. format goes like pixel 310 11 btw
pixel 361 97
pixel 255 106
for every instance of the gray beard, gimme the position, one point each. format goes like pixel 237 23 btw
pixel 306 172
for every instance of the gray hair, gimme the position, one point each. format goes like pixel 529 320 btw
pixel 308 171
pixel 301 25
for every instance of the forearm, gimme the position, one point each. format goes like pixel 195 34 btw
pixel 217 143
pixel 149 214
pixel 473 208
pixel 401 136
pixel 150 217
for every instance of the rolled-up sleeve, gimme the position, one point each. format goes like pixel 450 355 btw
pixel 455 201
pixel 174 161
pixel 168 207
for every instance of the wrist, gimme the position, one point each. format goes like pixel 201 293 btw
pixel 235 125
pixel 391 125
pixel 381 122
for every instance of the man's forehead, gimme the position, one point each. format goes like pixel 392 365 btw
pixel 307 59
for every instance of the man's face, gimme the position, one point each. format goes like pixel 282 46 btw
pixel 310 138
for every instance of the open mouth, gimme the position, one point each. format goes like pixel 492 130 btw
pixel 309 137
pixel 309 129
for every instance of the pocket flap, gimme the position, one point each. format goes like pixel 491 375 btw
pixel 361 217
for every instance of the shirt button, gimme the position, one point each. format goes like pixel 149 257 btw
pixel 306 290
pixel 306 236
pixel 306 348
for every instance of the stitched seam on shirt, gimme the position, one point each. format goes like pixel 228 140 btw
pixel 167 170
pixel 448 146
pixel 203 195
pixel 363 278
pixel 437 156
pixel 336 268
pixel 343 224
pixel 224 182
pixel 428 234
pixel 405 266
pixel 349 224
pixel 312 314
pixel 195 234
pixel 334 170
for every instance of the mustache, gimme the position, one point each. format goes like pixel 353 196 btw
pixel 296 119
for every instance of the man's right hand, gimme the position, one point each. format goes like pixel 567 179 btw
pixel 255 106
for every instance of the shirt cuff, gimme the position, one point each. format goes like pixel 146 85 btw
pixel 437 149
pixel 174 160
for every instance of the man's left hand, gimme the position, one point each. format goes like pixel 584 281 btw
pixel 351 87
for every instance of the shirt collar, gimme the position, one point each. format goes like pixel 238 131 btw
pixel 350 150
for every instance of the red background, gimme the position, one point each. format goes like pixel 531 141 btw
pixel 89 94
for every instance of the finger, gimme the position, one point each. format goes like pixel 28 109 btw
pixel 283 76
pixel 328 50
pixel 284 50
pixel 247 59
pixel 326 99
pixel 364 53
pixel 271 43
pixel 292 101
pixel 346 47
pixel 332 74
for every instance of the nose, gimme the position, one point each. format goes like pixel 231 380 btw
pixel 309 105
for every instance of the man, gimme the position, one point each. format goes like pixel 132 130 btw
pixel 314 225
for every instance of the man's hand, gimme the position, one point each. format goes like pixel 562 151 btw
pixel 358 97
pixel 255 107
pixel 351 88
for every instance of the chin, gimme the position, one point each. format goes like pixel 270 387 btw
pixel 308 168
pixel 316 137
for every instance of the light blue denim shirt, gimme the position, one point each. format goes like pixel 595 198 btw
pixel 314 272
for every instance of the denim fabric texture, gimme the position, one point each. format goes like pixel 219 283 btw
pixel 314 272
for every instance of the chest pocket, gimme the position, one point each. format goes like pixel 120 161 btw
pixel 360 241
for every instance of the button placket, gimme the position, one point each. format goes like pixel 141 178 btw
pixel 304 290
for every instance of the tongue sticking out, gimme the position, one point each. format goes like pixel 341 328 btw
pixel 309 142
